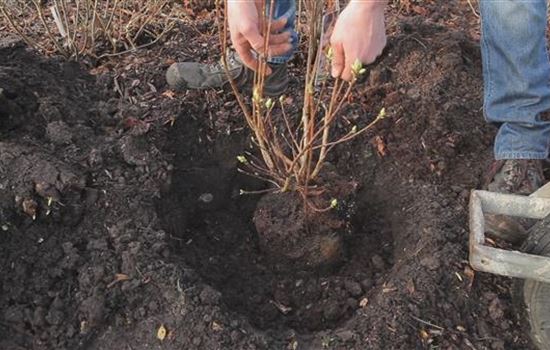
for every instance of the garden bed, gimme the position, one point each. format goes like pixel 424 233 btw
pixel 139 225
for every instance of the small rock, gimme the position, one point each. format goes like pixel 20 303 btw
pixel 14 314
pixel 495 309
pixel 209 296
pixel 378 262
pixel 345 334
pixel 91 196
pixel 483 329
pixel 498 345
pixel 59 133
pixel 235 336
pixel 197 341
pixel 55 317
pixel 367 284
pixel 352 303
pixel 414 93
pixel 206 197
pixel 189 276
pixel 431 262
pixel 47 191
pixel 392 98
pixel 379 76
pixel 71 331
pixel 158 247
pixel 505 325
pixel 456 189
pixel 135 150
pixel 332 311
pixel 39 317
pixel 153 306
pixel 98 244
pixel 57 303
pixel 92 309
pixel 95 158
pixel 353 288
pixel 142 312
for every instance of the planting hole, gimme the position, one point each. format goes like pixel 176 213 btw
pixel 211 228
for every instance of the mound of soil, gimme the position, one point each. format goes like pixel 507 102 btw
pixel 130 226
pixel 298 234
pixel 299 238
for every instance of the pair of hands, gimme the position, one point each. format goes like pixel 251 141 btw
pixel 359 34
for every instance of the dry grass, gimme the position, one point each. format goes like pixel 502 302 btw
pixel 76 28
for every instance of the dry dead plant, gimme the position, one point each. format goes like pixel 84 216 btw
pixel 293 148
pixel 74 28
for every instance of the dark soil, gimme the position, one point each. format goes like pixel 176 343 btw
pixel 114 224
pixel 298 234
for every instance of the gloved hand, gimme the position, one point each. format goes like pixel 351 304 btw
pixel 244 25
pixel 359 34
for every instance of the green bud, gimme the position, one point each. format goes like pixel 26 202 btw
pixel 330 53
pixel 362 71
pixel 356 67
pixel 256 95
pixel 354 129
pixel 334 203
pixel 269 103
pixel 241 192
pixel 242 159
pixel 382 113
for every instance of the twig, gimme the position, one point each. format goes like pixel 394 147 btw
pixel 48 31
pixel 427 323
pixel 473 9
pixel 139 47
pixel 94 18
pixel 292 154
pixel 23 36
pixel 148 19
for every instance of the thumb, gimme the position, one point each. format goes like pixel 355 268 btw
pixel 338 60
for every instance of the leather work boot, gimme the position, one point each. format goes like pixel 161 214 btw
pixel 194 75
pixel 513 176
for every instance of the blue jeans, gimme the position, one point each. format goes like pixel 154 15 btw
pixel 516 73
pixel 285 8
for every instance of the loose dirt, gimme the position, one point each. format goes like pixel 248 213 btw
pixel 139 224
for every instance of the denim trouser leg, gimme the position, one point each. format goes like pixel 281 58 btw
pixel 516 74
pixel 285 8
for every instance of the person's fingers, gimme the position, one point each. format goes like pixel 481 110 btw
pixel 279 49
pixel 244 50
pixel 252 35
pixel 338 60
pixel 281 38
pixel 278 25
pixel 346 72
pixel 256 40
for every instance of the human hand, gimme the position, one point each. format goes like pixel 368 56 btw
pixel 245 28
pixel 359 34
